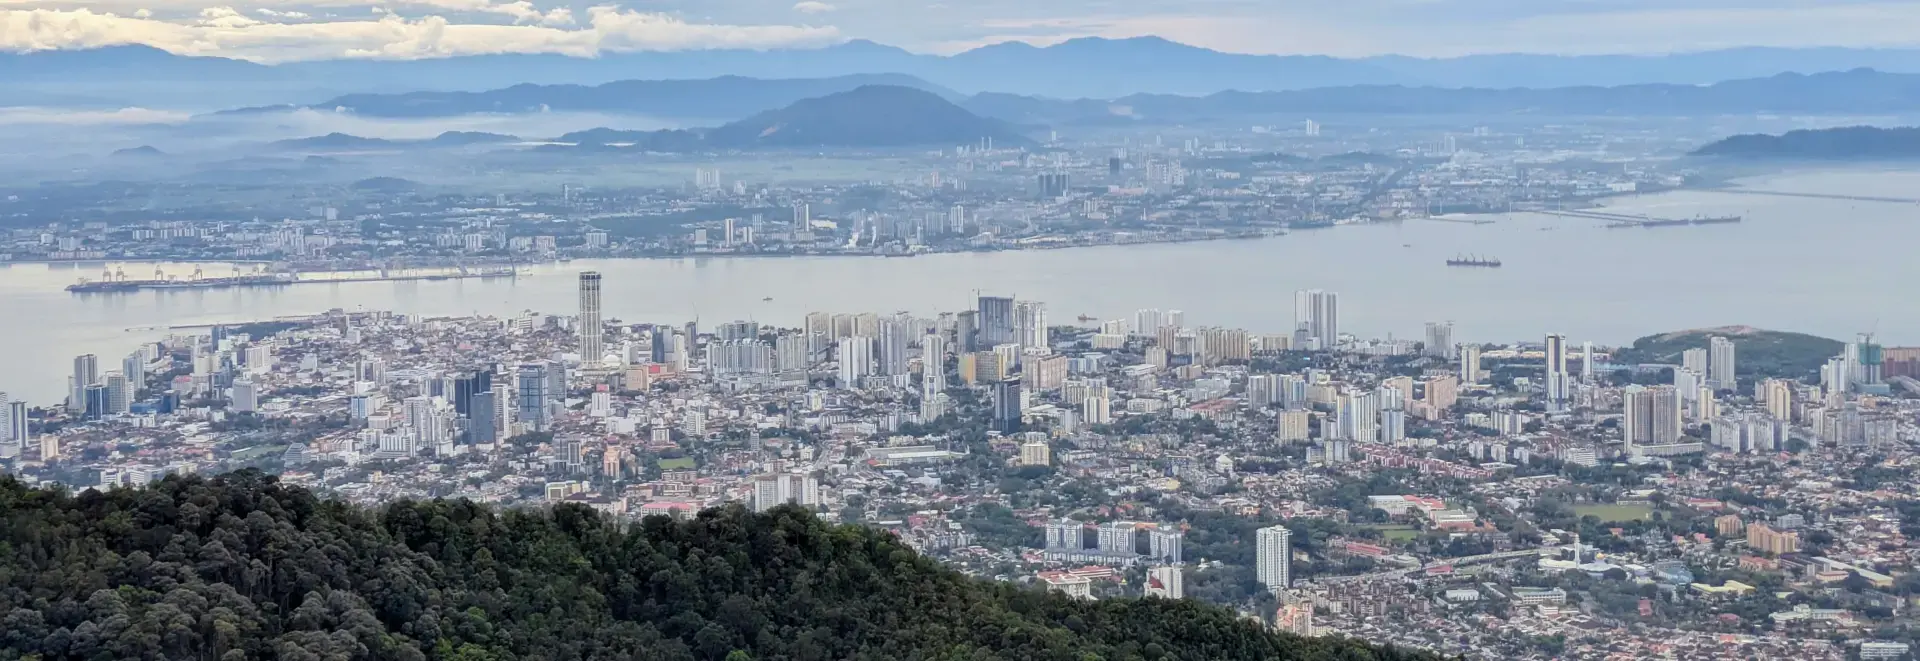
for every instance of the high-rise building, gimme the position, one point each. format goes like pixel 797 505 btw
pixel 770 491
pixel 933 363
pixel 1116 538
pixel 856 360
pixel 119 393
pixel 1273 557
pixel 1055 184
pixel 1292 426
pixel 966 331
pixel 896 335
pixel 1720 366
pixel 1030 324
pixel 996 321
pixel 1653 416
pixel 1163 544
pixel 466 387
pixel 17 422
pixel 1357 416
pixel 1586 362
pixel 1316 313
pixel 1559 381
pixel 1007 405
pixel 1439 340
pixel 481 428
pixel 86 371
pixel 1036 453
pixel 1778 396
pixel 1469 363
pixel 592 332
pixel 245 398
pixel 134 367
pixel 533 381
pixel 1694 359
pixel 1066 535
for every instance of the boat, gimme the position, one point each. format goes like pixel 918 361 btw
pixel 1475 261
pixel 769 298
pixel 1086 318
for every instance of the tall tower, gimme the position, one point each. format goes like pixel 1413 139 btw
pixel 1273 557
pixel 1586 362
pixel 591 331
pixel 1720 366
pixel 86 370
pixel 1439 340
pixel 1316 313
pixel 1557 378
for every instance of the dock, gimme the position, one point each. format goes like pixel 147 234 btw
pixel 1621 220
pixel 1817 196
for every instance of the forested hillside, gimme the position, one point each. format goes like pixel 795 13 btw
pixel 241 567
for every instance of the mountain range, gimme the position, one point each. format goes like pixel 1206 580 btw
pixel 870 116
pixel 1848 92
pixel 1078 68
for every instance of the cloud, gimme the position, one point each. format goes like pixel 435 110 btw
pixel 70 117
pixel 226 32
pixel 269 13
pixel 813 7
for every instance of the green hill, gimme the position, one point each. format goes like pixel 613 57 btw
pixel 241 567
pixel 1757 353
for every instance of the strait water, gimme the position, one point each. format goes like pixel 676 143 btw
pixel 1824 266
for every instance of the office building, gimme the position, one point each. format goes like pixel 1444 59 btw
pixel 996 321
pixel 1559 381
pixel 119 393
pixel 1273 557
pixel 246 399
pixel 966 331
pixel 481 427
pixel 134 367
pixel 465 388
pixel 1439 340
pixel 1007 405
pixel 1165 582
pixel 532 382
pixel 1720 365
pixel 86 371
pixel 855 356
pixel 1316 314
pixel 592 332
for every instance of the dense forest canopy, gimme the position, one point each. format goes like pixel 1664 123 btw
pixel 242 567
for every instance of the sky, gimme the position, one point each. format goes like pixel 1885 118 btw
pixel 288 30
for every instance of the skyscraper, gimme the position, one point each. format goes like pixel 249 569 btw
pixel 1720 366
pixel 17 421
pixel 1030 324
pixel 1469 363
pixel 86 371
pixel 996 321
pixel 1007 407
pixel 533 380
pixel 1559 382
pixel 1586 362
pixel 1317 314
pixel 856 360
pixel 1439 340
pixel 892 344
pixel 1357 416
pixel 1652 416
pixel 134 367
pixel 481 429
pixel 1273 557
pixel 591 330
pixel 467 387
pixel 966 331
pixel 119 393
pixel 933 363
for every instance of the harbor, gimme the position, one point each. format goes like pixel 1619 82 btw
pixel 117 281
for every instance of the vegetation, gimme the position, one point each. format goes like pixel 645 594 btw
pixel 241 567
pixel 1758 353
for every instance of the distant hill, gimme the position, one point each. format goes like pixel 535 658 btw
pixel 1853 143
pixel 871 116
pixel 142 151
pixel 1757 352
pixel 334 141
pixel 458 138
pixel 728 97
pixel 241 566
pixel 874 116
pixel 384 185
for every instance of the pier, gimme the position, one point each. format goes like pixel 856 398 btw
pixel 1620 220
pixel 1817 196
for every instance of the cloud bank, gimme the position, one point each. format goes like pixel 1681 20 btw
pixel 276 36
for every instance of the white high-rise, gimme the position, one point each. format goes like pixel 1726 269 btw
pixel 1720 366
pixel 1317 314
pixel 856 360
pixel 933 363
pixel 1586 362
pixel 1469 363
pixel 86 371
pixel 1030 324
pixel 1357 416
pixel 891 346
pixel 591 331
pixel 1273 557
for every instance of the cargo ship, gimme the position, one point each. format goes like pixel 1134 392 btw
pixel 1474 261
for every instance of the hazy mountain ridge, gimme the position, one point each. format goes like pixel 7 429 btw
pixel 715 98
pixel 1852 143
pixel 1078 68
pixel 871 116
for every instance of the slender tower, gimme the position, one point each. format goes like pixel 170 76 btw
pixel 591 332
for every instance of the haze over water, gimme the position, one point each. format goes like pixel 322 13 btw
pixel 1821 266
